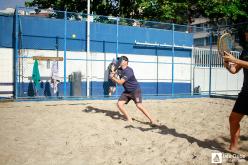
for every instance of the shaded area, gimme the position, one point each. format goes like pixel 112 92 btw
pixel 54 105
pixel 242 138
pixel 210 144
pixel 112 114
pixel 31 91
pixel 47 90
pixel 163 129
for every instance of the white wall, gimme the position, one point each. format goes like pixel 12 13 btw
pixel 6 71
pixel 221 80
pixel 145 68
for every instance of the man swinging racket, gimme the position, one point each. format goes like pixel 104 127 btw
pixel 132 89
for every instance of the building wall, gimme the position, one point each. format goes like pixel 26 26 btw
pixel 153 72
pixel 222 82
pixel 6 72
pixel 152 64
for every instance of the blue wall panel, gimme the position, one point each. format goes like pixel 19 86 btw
pixel 44 33
pixel 101 89
pixel 103 32
pixel 6 31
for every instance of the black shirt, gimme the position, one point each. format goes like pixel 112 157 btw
pixel 244 57
pixel 130 84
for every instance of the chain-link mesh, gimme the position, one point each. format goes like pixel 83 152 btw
pixel 36 41
pixel 167 59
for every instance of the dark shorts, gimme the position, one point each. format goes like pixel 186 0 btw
pixel 135 96
pixel 241 104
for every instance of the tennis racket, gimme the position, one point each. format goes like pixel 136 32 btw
pixel 225 43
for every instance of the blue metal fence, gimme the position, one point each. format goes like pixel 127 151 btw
pixel 159 53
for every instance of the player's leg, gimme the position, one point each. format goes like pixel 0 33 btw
pixel 137 98
pixel 234 121
pixel 121 105
pixel 145 112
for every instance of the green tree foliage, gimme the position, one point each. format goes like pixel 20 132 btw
pixel 177 11
pixel 229 10
pixel 70 5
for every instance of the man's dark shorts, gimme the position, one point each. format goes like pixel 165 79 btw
pixel 135 96
pixel 241 104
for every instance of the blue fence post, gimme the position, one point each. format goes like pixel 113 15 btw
pixel 117 47
pixel 16 55
pixel 65 37
pixel 210 63
pixel 156 50
pixel 117 36
pixel 173 54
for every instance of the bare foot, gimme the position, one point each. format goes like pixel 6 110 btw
pixel 130 120
pixel 233 148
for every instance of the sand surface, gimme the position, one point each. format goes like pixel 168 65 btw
pixel 95 133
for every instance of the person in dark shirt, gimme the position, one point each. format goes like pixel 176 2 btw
pixel 240 108
pixel 132 89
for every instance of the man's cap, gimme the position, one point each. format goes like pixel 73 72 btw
pixel 124 58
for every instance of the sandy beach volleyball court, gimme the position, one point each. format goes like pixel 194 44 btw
pixel 93 132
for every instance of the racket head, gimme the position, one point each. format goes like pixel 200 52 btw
pixel 225 43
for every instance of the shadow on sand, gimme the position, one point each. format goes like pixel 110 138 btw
pixel 112 114
pixel 210 144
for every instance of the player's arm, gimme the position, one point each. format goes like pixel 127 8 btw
pixel 115 79
pixel 241 63
pixel 237 63
pixel 118 81
pixel 232 68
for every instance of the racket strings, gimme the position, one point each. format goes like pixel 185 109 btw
pixel 226 44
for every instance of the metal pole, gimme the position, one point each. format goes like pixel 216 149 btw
pixel 210 64
pixel 192 70
pixel 16 55
pixel 88 51
pixel 65 33
pixel 117 45
pixel 117 36
pixel 156 50
pixel 173 54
